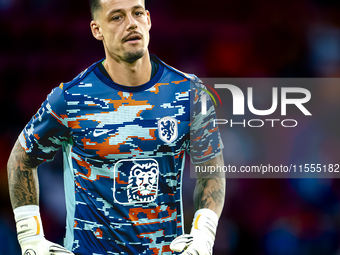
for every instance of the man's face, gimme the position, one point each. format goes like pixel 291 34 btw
pixel 124 26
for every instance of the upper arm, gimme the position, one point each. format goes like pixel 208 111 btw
pixel 48 129
pixel 19 157
pixel 22 177
pixel 211 186
pixel 205 140
pixel 212 168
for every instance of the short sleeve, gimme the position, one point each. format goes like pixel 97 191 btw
pixel 205 139
pixel 47 130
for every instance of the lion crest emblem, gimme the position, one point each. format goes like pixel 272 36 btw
pixel 135 181
pixel 143 182
pixel 167 129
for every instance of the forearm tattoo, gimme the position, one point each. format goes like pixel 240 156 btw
pixel 210 191
pixel 22 178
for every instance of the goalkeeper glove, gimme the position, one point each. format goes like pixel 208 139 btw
pixel 31 235
pixel 202 236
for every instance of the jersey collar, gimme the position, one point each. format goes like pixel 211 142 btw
pixel 124 88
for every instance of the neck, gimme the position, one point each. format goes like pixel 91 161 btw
pixel 129 74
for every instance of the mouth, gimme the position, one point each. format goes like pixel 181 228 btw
pixel 132 38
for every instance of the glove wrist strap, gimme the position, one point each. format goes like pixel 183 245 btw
pixel 28 222
pixel 205 220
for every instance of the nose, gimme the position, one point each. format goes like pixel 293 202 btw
pixel 131 23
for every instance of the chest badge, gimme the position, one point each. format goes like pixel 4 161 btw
pixel 167 129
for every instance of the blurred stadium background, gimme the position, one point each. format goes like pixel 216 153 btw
pixel 44 43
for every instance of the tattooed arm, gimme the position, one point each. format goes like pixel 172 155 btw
pixel 22 177
pixel 208 199
pixel 210 187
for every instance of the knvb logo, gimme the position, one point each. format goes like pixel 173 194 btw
pixel 167 129
pixel 239 104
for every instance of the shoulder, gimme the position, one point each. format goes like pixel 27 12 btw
pixel 190 77
pixel 81 76
pixel 56 98
pixel 197 87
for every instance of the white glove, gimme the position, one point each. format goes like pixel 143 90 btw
pixel 202 235
pixel 31 234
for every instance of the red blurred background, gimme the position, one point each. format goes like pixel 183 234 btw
pixel 44 43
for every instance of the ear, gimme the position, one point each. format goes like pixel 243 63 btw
pixel 154 171
pixel 96 30
pixel 136 172
pixel 149 19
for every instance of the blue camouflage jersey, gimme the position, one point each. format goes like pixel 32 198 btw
pixel 124 150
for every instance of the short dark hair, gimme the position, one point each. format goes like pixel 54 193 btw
pixel 94 6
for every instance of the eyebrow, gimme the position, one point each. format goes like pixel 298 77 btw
pixel 122 10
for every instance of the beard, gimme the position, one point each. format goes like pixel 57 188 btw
pixel 132 56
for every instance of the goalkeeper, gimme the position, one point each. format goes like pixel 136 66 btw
pixel 124 126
